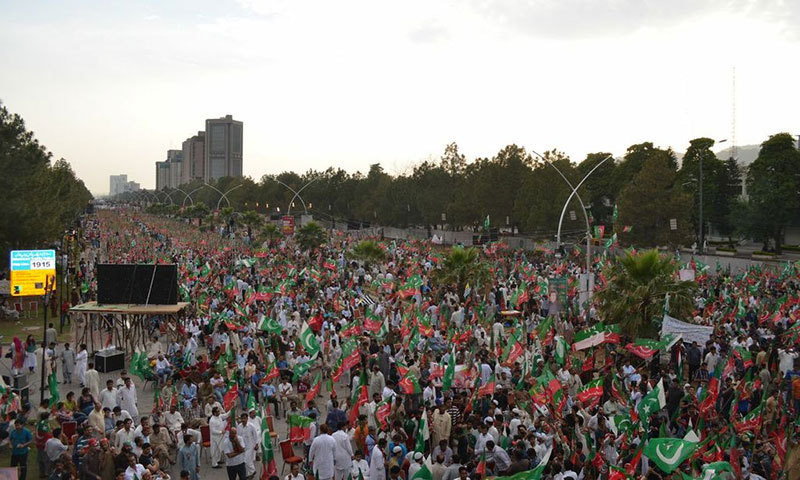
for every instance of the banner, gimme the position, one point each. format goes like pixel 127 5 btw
pixel 689 331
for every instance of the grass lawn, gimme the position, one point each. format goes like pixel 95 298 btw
pixel 30 326
pixel 33 461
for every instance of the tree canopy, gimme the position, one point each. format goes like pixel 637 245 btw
pixel 40 198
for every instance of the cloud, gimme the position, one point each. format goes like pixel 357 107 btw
pixel 576 19
pixel 428 34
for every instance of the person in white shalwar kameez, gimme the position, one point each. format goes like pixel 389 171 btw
pixel 250 441
pixel 321 454
pixel 342 454
pixel 81 360
pixel 377 461
pixel 216 425
pixel 126 399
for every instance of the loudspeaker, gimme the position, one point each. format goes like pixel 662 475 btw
pixel 137 284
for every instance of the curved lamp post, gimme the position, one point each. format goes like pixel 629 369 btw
pixel 225 194
pixel 296 194
pixel 574 193
pixel 189 195
pixel 185 196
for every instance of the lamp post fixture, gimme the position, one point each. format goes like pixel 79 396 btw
pixel 225 194
pixel 574 193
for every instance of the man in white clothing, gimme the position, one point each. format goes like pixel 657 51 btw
pixel 342 454
pixel 377 461
pixel 216 425
pixel 126 398
pixel 251 442
pixel 173 419
pixel 320 455
pixel 108 397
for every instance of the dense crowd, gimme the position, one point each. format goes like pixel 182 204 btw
pixel 381 373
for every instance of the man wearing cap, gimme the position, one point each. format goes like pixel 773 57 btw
pixel 416 464
pixel 92 461
pixel 491 429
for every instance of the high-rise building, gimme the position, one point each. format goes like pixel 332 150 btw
pixel 194 158
pixel 117 184
pixel 162 175
pixel 223 148
pixel 175 161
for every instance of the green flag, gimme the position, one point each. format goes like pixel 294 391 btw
pixel 309 340
pixel 669 453
pixel 270 325
pixel 449 371
pixel 424 473
pixel 53 383
pixel 652 403
pixel 423 433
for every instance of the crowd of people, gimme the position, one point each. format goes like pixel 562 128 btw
pixel 380 372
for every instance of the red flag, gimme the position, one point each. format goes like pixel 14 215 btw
pixel 230 397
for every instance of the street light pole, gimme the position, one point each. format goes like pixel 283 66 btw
pixel 701 236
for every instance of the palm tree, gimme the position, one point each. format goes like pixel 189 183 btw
pixel 368 251
pixel 637 289
pixel 463 266
pixel 311 236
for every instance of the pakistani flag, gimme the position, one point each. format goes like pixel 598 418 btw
pixel 652 402
pixel 711 470
pixel 270 325
pixel 533 474
pixel 594 335
pixel 561 350
pixel 269 467
pixel 449 371
pixel 423 433
pixel 669 453
pixel 425 472
pixel 309 340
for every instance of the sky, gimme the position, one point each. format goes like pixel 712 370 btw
pixel 112 85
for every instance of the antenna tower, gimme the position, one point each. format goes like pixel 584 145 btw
pixel 733 115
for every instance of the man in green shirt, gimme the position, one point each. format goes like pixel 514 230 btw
pixel 20 439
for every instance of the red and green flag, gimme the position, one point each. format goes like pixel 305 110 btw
pixel 315 388
pixel 512 351
pixel 409 384
pixel 360 397
pixel 299 428
pixel 590 393
pixel 487 389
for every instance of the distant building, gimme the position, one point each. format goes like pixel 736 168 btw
pixel 175 161
pixel 162 175
pixel 117 184
pixel 194 158
pixel 120 184
pixel 223 148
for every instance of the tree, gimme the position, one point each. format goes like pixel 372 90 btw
pixel 730 185
pixel 637 289
pixel 650 202
pixel 368 251
pixel 463 266
pixel 39 199
pixel 713 176
pixel 774 191
pixel 311 236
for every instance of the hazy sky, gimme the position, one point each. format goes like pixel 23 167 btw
pixel 111 85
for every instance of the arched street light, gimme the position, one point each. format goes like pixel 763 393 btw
pixel 185 196
pixel 189 195
pixel 224 194
pixel 296 195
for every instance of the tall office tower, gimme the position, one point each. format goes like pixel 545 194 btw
pixel 162 175
pixel 223 148
pixel 175 160
pixel 194 158
pixel 117 184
